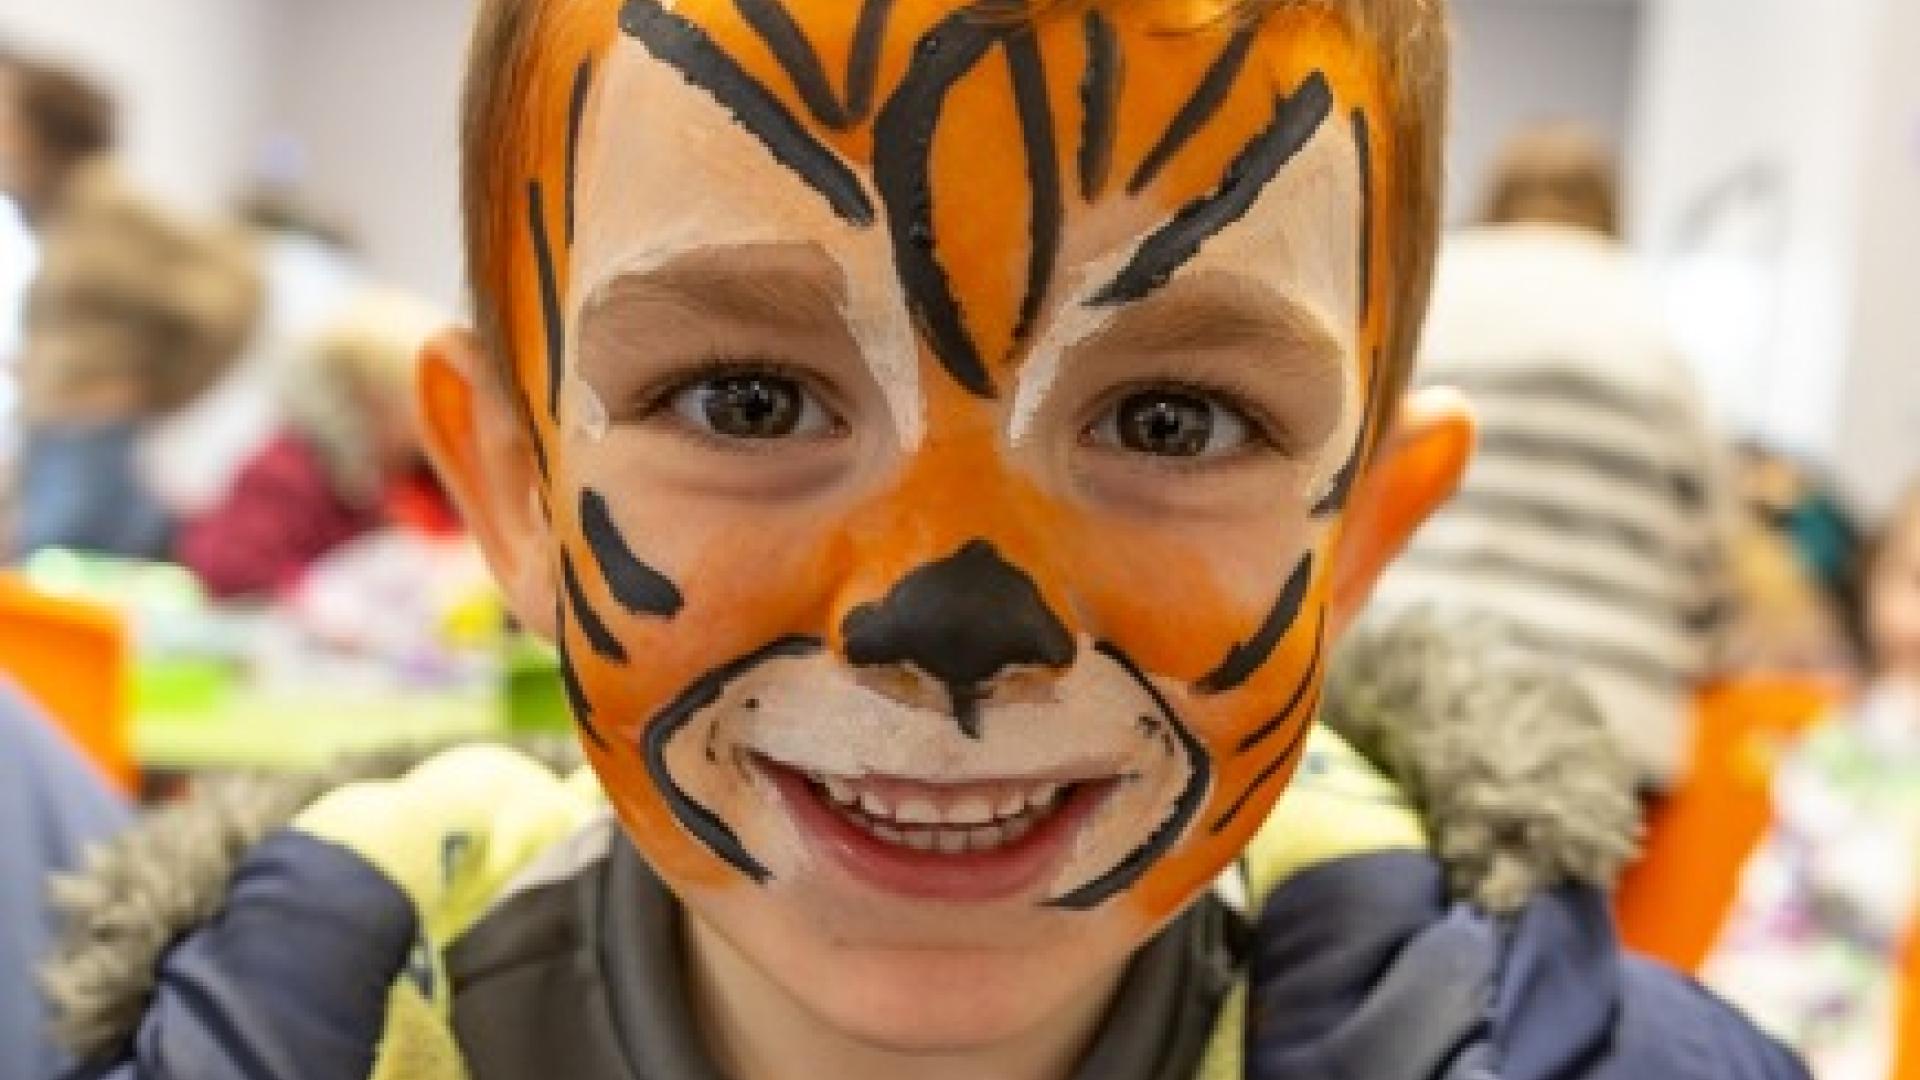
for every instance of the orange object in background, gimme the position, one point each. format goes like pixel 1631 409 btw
pixel 75 661
pixel 1673 904
pixel 1674 901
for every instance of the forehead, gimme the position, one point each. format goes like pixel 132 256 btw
pixel 996 182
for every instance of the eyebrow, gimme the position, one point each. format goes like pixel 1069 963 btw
pixel 1221 311
pixel 742 285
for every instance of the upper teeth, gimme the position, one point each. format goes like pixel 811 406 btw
pixel 921 809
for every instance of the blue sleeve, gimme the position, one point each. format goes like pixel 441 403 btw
pixel 1673 1023
pixel 52 807
pixel 1571 1005
pixel 1366 968
pixel 289 981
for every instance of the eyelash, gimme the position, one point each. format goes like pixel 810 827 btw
pixel 657 397
pixel 1268 434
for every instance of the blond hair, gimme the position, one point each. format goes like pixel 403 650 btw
pixel 371 348
pixel 1560 173
pixel 1411 37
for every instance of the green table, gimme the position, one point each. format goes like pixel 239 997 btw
pixel 295 731
pixel 198 719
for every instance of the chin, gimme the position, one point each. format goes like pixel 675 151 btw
pixel 920 1001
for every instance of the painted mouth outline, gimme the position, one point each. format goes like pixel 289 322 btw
pixel 707 826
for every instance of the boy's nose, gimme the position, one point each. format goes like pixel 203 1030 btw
pixel 964 620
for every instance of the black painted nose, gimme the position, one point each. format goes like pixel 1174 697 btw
pixel 963 621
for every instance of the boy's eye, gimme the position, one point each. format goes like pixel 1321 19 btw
pixel 752 406
pixel 1172 424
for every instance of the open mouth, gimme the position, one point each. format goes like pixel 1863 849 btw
pixel 959 842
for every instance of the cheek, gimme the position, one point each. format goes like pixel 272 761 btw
pixel 1231 619
pixel 1179 595
pixel 742 583
pixel 1898 620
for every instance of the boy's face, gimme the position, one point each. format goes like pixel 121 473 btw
pixel 1894 606
pixel 946 425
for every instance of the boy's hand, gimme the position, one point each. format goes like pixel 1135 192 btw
pixel 450 835
pixel 455 831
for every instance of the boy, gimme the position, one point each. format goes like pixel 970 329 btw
pixel 931 433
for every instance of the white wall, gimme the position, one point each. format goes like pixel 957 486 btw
pixel 1878 446
pixel 191 76
pixel 1776 164
pixel 1522 61
pixel 368 90
pixel 364 92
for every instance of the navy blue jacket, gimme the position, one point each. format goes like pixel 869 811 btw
pixel 1361 969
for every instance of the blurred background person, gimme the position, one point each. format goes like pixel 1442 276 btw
pixel 1596 516
pixel 346 461
pixel 131 315
pixel 311 271
pixel 53 807
pixel 1798 565
pixel 1826 913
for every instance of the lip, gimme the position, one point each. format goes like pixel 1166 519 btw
pixel 973 877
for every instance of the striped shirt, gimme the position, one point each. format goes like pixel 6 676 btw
pixel 1594 517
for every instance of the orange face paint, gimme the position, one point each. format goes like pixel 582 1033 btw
pixel 940 602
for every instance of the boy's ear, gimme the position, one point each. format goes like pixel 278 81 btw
pixel 481 447
pixel 1417 467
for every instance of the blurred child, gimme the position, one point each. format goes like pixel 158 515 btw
pixel 1816 943
pixel 131 316
pixel 348 460
pixel 1596 514
pixel 53 807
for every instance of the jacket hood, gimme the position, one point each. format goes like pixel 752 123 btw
pixel 1520 786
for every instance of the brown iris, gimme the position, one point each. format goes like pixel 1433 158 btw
pixel 752 406
pixel 1166 424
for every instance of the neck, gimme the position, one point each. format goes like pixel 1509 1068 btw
pixel 756 1030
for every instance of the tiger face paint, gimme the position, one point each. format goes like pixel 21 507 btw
pixel 945 423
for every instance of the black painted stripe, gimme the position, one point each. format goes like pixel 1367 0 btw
pixel 704 824
pixel 539 446
pixel 1335 501
pixel 1207 97
pixel 1308 680
pixel 863 63
pixel 902 164
pixel 599 637
pixel 576 115
pixel 1363 147
pixel 679 43
pixel 638 587
pixel 577 701
pixel 1273 769
pixel 556 330
pixel 1099 105
pixel 789 45
pixel 1245 659
pixel 1295 120
pixel 1587 455
pixel 1187 807
pixel 1043 173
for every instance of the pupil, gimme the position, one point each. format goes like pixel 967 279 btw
pixel 1166 425
pixel 753 407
